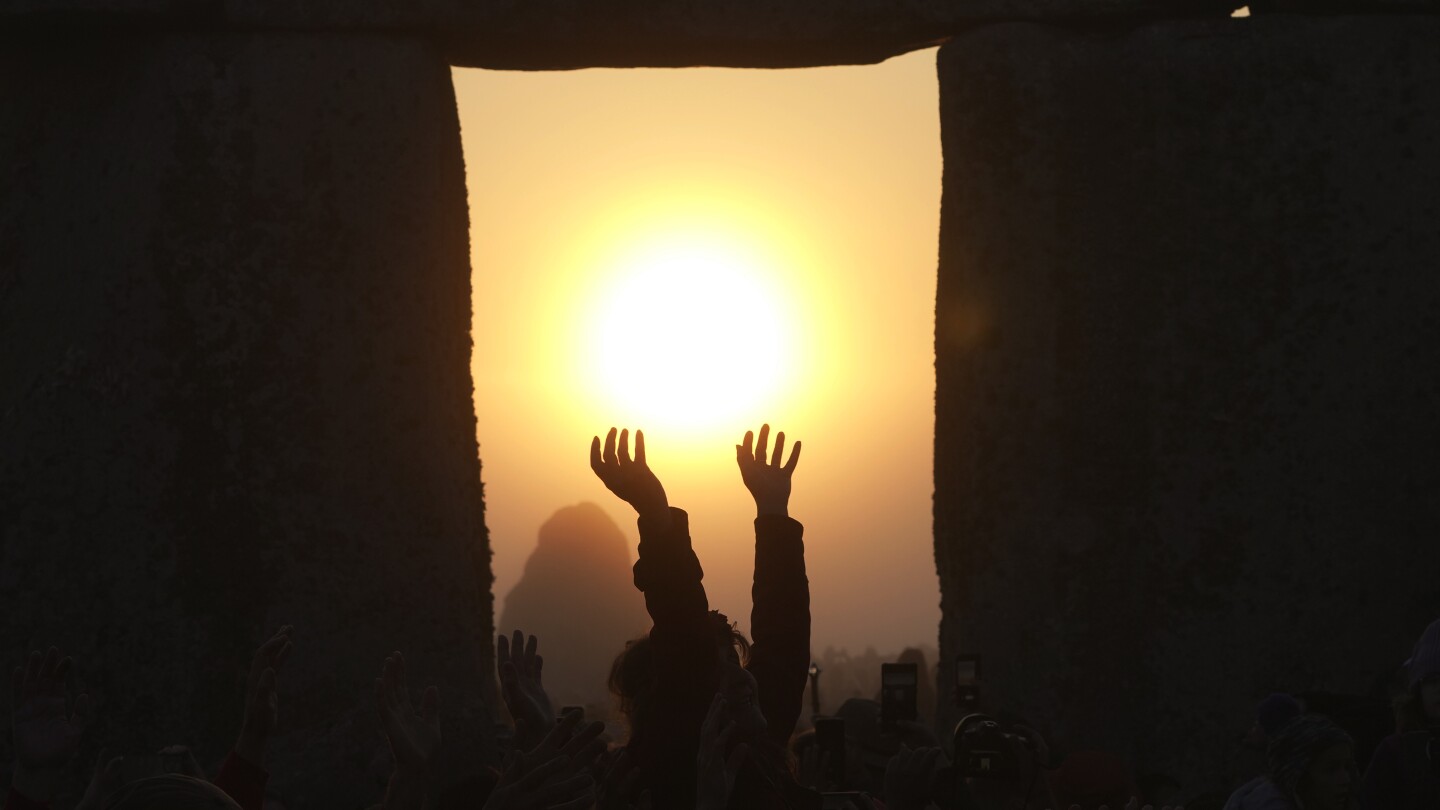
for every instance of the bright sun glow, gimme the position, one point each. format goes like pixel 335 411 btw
pixel 690 334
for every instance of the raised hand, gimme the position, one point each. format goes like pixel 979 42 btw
pixel 715 772
pixel 620 781
pixel 108 778
pixel 261 706
pixel 768 482
pixel 414 735
pixel 555 774
pixel 630 479
pixel 528 785
pixel 520 667
pixel 46 735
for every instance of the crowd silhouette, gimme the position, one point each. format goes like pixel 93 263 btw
pixel 713 719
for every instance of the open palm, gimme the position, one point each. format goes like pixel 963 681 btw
pixel 46 735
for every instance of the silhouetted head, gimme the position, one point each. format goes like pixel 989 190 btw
pixel 170 792
pixel 632 675
pixel 1271 715
pixel 1313 760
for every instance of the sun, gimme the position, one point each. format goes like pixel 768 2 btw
pixel 689 334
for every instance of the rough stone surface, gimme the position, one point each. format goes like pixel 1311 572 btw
pixel 235 388
pixel 564 34
pixel 581 559
pixel 1186 351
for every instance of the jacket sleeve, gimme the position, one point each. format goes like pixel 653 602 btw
pixel 780 622
pixel 1381 785
pixel 243 781
pixel 683 643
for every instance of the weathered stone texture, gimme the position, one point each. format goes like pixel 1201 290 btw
pixel 235 389
pixel 564 34
pixel 1186 351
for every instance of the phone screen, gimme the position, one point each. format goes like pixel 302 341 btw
pixel 967 682
pixel 830 740
pixel 899 685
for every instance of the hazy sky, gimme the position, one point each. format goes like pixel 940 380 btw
pixel 693 252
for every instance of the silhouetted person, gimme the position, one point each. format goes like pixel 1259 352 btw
pixel 1404 773
pixel 1310 765
pixel 668 681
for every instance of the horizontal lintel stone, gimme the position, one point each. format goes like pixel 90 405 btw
pixel 567 34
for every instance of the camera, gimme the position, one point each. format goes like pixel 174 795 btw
pixel 983 750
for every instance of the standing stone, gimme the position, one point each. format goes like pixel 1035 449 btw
pixel 1186 364
pixel 235 387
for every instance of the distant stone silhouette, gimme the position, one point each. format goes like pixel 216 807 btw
pixel 576 595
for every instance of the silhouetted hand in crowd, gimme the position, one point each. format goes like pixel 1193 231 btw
pixel 555 774
pixel 520 685
pixel 630 479
pixel 910 778
pixel 621 779
pixel 108 778
pixel 414 735
pixel 46 733
pixel 768 482
pixel 715 770
pixel 261 706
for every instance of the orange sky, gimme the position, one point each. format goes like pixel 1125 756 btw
pixel 779 226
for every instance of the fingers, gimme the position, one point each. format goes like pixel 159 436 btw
pixel 402 693
pixel 710 728
pixel 794 457
pixel 625 447
pixel 595 463
pixel 640 447
pixel 610 448
pixel 502 644
pixel 736 758
pixel 559 734
pixel 779 449
pixel 761 442
pixel 382 704
pixel 32 674
pixel 83 711
pixel 517 653
pixel 586 746
pixel 265 690
pixel 749 446
pixel 531 645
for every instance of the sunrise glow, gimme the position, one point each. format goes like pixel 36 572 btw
pixel 690 334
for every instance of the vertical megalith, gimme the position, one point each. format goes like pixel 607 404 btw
pixel 235 389
pixel 1186 342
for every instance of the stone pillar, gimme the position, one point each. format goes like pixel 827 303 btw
pixel 235 387
pixel 1186 348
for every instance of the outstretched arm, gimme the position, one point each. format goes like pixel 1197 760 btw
pixel 242 775
pixel 683 637
pixel 780 615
